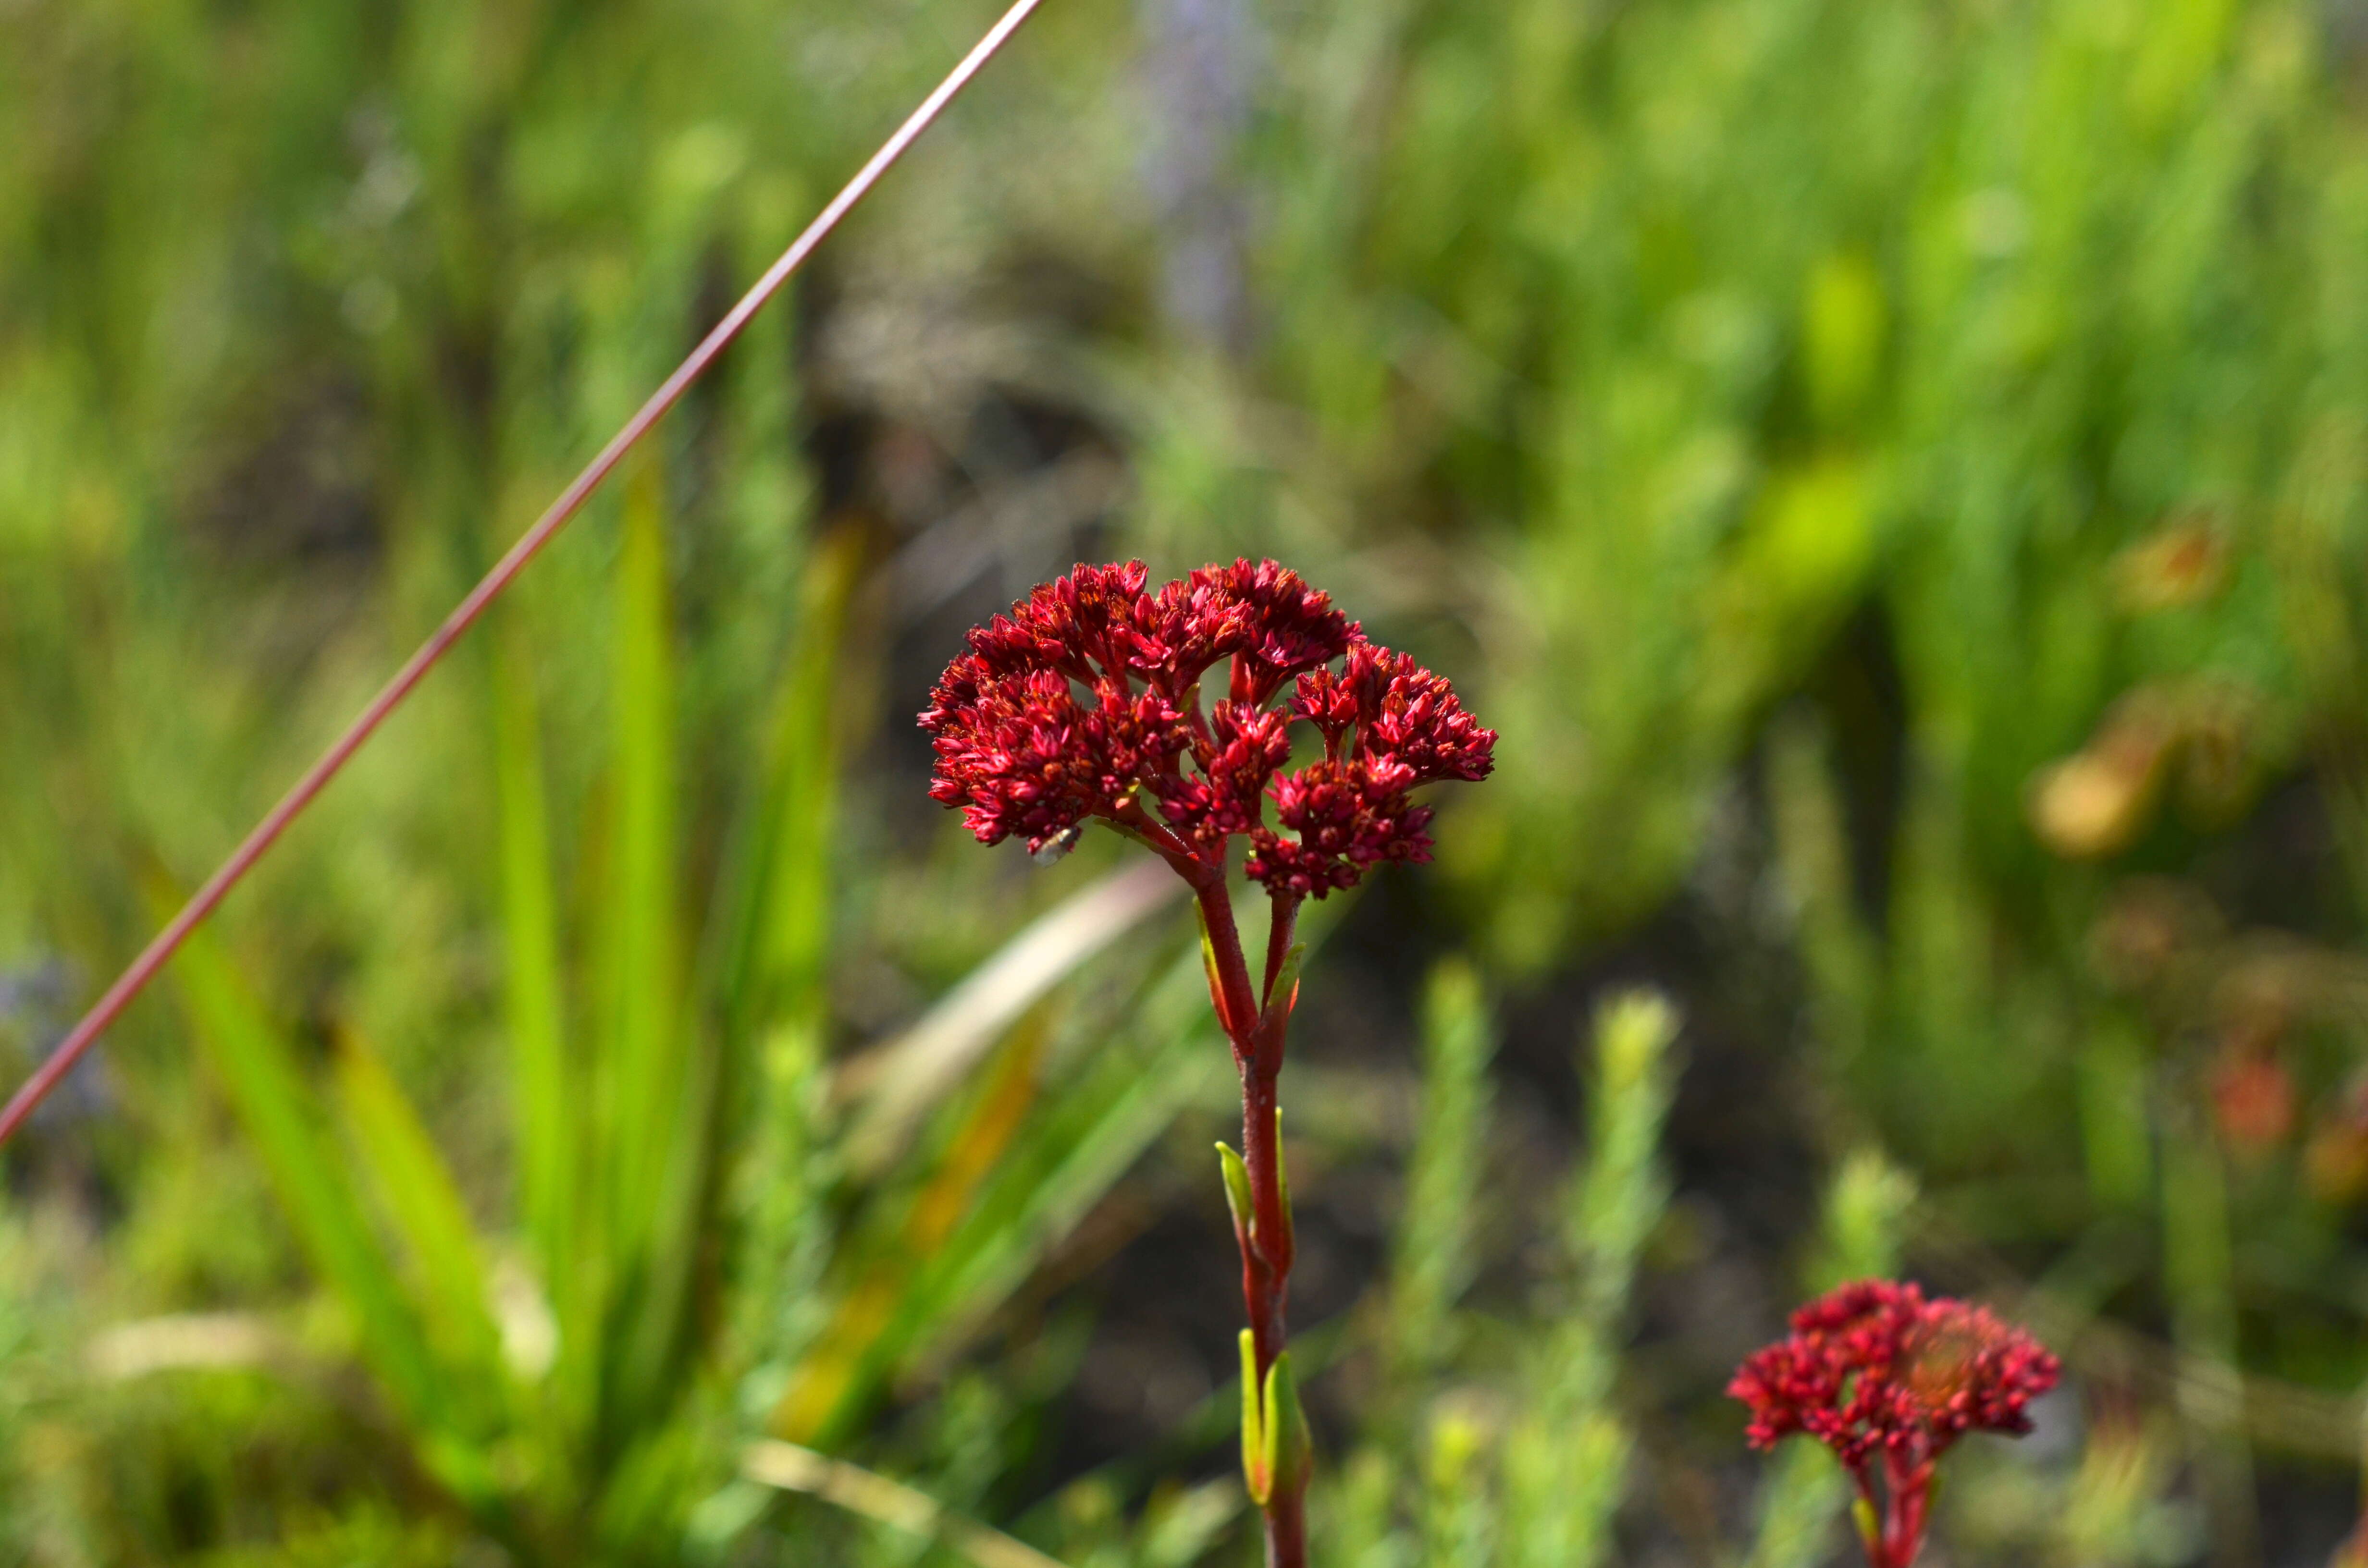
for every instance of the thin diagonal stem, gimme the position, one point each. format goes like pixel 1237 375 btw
pixel 268 831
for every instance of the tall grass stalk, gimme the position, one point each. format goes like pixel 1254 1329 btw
pixel 1437 1240
pixel 1567 1460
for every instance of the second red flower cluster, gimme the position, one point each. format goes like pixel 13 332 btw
pixel 1889 1380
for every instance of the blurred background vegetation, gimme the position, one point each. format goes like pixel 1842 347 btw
pixel 1894 470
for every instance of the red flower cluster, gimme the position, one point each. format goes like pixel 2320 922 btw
pixel 1882 1375
pixel 1085 702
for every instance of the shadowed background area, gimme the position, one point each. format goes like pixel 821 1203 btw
pixel 1896 474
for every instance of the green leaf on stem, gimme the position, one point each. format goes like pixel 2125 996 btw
pixel 1237 1192
pixel 1870 1529
pixel 1209 962
pixel 1289 1449
pixel 1257 1470
pixel 1283 994
pixel 1278 1454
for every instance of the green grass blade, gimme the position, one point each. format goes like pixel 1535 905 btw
pixel 779 929
pixel 896 1084
pixel 660 1075
pixel 1088 1139
pixel 774 937
pixel 1082 1138
pixel 419 1194
pixel 283 1118
pixel 645 1061
pixel 862 1337
pixel 547 1107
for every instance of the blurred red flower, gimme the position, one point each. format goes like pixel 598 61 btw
pixel 1888 1380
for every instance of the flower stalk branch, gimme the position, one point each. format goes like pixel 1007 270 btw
pixel 1084 704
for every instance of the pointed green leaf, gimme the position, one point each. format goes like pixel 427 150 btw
pixel 778 926
pixel 1237 1191
pixel 1283 995
pixel 658 1077
pixel 545 1096
pixel 1257 1471
pixel 1290 1448
pixel 282 1117
pixel 1209 962
pixel 1870 1529
pixel 416 1191
pixel 645 1058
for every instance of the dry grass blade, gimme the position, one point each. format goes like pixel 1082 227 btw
pixel 267 832
pixel 184 1341
pixel 788 1468
pixel 899 1081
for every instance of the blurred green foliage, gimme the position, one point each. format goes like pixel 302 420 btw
pixel 1892 471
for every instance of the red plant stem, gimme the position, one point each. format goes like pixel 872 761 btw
pixel 268 831
pixel 1900 1506
pixel 1267 1249
pixel 1239 1013
pixel 1911 1490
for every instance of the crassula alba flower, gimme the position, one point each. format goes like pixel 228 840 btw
pixel 1175 715
pixel 1888 1380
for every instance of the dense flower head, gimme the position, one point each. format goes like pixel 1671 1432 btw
pixel 1875 1368
pixel 1085 702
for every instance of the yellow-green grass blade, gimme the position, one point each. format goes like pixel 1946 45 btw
pixel 773 932
pixel 645 1070
pixel 661 1070
pixel 847 1360
pixel 774 941
pixel 415 1190
pixel 547 1105
pixel 895 1085
pixel 1079 1142
pixel 284 1120
pixel 791 939
pixel 1100 1110
pixel 1087 1138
